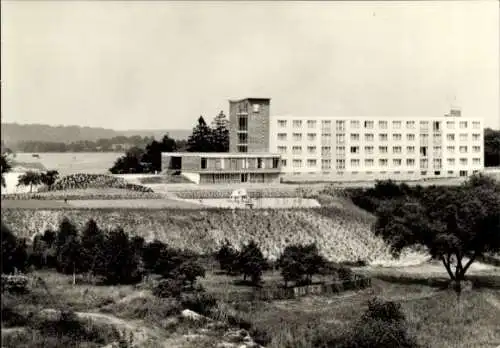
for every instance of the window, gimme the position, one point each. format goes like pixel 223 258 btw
pixel 396 149
pixel 463 173
pixel 368 162
pixel 243 138
pixel 340 150
pixel 297 136
pixel 423 173
pixel 463 161
pixel 203 163
pixel 242 123
pixel 450 172
pixel 311 124
pixel 436 126
pixel 410 124
pixel 476 124
pixel 476 161
pixel 423 150
pixel 463 124
pixel 297 163
pixel 450 124
pixel 396 162
pixel 282 123
pixel 424 125
pixel 383 162
pixel 311 136
pixel 437 150
pixel 476 137
pixel 340 138
pixel 282 136
pixel 463 137
pixel 369 124
pixel 326 151
pixel 450 137
pixel 410 149
pixel 282 149
pixel 476 148
pixel 382 137
pixel 424 163
pixel 256 107
pixel 410 137
pixel 354 149
pixel 354 124
pixel 410 162
pixel 396 136
pixel 326 123
pixel 369 137
pixel 311 150
pixel 382 124
pixel 297 123
pixel 297 150
pixel 424 138
pixel 242 148
pixel 326 164
pixel 382 149
pixel 369 149
pixel 339 125
pixel 354 137
pixel 340 164
pixel 311 163
pixel 437 173
pixel 327 137
pixel 355 163
pixel 436 163
pixel 396 124
pixel 463 149
pixel 450 161
pixel 276 162
pixel 283 162
pixel 450 149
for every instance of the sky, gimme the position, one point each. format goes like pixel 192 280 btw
pixel 161 64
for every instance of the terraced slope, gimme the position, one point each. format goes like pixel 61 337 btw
pixel 341 234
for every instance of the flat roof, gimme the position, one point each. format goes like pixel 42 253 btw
pixel 223 154
pixel 249 98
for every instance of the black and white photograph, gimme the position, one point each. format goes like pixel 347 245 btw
pixel 250 174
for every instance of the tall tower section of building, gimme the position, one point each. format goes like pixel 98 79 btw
pixel 249 125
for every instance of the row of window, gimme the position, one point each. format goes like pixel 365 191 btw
pixel 396 172
pixel 371 137
pixel 340 150
pixel 383 162
pixel 340 125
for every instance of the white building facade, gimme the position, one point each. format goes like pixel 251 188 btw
pixel 340 148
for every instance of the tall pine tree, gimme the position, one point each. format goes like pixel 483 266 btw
pixel 201 140
pixel 220 133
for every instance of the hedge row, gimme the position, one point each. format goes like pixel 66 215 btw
pixel 270 192
pixel 90 196
pixel 82 181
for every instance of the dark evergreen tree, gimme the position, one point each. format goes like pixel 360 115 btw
pixel 201 140
pixel 251 262
pixel 5 166
pixel 93 252
pixel 227 256
pixel 49 178
pixel 220 133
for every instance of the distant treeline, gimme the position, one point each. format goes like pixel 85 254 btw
pixel 114 144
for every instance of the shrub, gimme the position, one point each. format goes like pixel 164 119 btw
pixel 168 288
pixel 344 273
pixel 199 301
pixel 16 284
pixel 227 256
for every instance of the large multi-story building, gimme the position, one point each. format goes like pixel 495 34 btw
pixel 265 148
pixel 341 148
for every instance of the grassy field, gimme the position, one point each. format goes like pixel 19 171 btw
pixel 434 315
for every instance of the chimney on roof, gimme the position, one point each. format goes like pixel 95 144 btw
pixel 454 112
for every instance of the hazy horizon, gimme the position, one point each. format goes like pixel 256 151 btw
pixel 160 65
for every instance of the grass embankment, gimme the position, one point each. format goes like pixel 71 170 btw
pixel 341 234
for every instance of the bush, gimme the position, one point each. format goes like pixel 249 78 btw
pixel 344 273
pixel 168 288
pixel 16 284
pixel 82 181
pixel 199 302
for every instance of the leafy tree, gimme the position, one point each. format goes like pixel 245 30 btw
pixel 201 140
pixel 152 155
pixel 121 263
pixel 491 147
pixel 227 256
pixel 68 248
pixel 453 223
pixel 39 251
pixel 30 178
pixel 251 262
pixel 189 271
pixel 93 252
pixel 298 261
pixel 151 254
pixel 49 178
pixel 9 250
pixel 130 163
pixel 5 166
pixel 220 133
